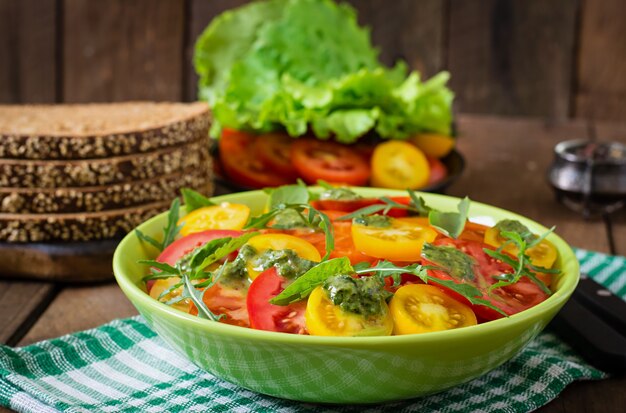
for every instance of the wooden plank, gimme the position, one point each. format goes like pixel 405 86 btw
pixel 414 31
pixel 601 85
pixel 27 51
pixel 201 12
pixel 21 303
pixel 512 57
pixel 590 397
pixel 507 160
pixel 122 50
pixel 80 308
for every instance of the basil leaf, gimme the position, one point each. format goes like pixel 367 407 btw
pixel 307 282
pixel 194 200
pixel 201 253
pixel 450 223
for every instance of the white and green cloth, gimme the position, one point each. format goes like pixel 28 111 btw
pixel 124 367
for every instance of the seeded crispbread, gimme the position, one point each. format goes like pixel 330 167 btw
pixel 99 130
pixel 22 173
pixel 98 198
pixel 75 227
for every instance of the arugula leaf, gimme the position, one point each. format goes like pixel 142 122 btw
pixel 197 297
pixel 472 293
pixel 165 270
pixel 143 237
pixel 385 269
pixel 368 210
pixel 307 282
pixel 288 194
pixel 194 200
pixel 208 257
pixel 203 252
pixel 172 228
pixel 450 223
pixel 418 204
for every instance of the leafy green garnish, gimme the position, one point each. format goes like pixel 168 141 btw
pixel 170 231
pixel 418 204
pixel 197 297
pixel 450 223
pixel 303 285
pixel 288 194
pixel 521 264
pixel 306 66
pixel 194 200
pixel 204 257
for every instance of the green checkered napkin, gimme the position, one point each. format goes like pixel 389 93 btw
pixel 124 366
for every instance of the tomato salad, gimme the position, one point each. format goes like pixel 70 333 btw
pixel 338 264
pixel 258 161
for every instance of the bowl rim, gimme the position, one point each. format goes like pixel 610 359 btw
pixel 569 264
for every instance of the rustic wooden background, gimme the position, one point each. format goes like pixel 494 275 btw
pixel 545 58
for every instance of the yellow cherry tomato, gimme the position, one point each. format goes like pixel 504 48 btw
pixel 400 165
pixel 222 216
pixel 434 144
pixel 262 243
pixel 160 286
pixel 421 308
pixel 542 255
pixel 401 241
pixel 323 318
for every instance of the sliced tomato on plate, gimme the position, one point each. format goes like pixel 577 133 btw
pixel 266 316
pixel 274 152
pixel 328 161
pixel 511 299
pixel 226 300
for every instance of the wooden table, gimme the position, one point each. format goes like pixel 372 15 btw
pixel 507 161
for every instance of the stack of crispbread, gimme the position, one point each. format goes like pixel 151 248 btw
pixel 95 171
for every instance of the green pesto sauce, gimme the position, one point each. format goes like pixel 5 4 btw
pixel 339 194
pixel 364 296
pixel 235 272
pixel 288 264
pixel 455 262
pixel 511 225
pixel 377 221
pixel 288 219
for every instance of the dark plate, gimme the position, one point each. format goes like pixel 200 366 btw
pixel 454 161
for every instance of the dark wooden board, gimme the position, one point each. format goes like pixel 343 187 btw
pixel 601 85
pixel 122 50
pixel 512 57
pixel 28 51
pixel 20 305
pixel 63 261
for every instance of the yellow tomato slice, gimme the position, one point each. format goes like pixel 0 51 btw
pixel 160 286
pixel 421 308
pixel 542 255
pixel 222 216
pixel 402 241
pixel 434 144
pixel 262 243
pixel 398 164
pixel 323 318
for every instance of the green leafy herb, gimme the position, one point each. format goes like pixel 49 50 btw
pixel 450 223
pixel 165 270
pixel 170 231
pixel 377 221
pixel 385 269
pixel 194 200
pixel 521 264
pixel 418 204
pixel 303 285
pixel 287 195
pixel 197 297
pixel 205 257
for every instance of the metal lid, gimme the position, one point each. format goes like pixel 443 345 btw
pixel 600 153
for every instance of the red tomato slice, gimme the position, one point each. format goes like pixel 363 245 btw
pixel 183 246
pixel 438 171
pixel 348 206
pixel 227 301
pixel 266 316
pixel 511 299
pixel 274 152
pixel 329 161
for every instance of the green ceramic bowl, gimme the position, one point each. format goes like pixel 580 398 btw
pixel 335 369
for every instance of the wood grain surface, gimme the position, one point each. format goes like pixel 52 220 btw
pixel 122 50
pixel 28 51
pixel 512 57
pixel 601 84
